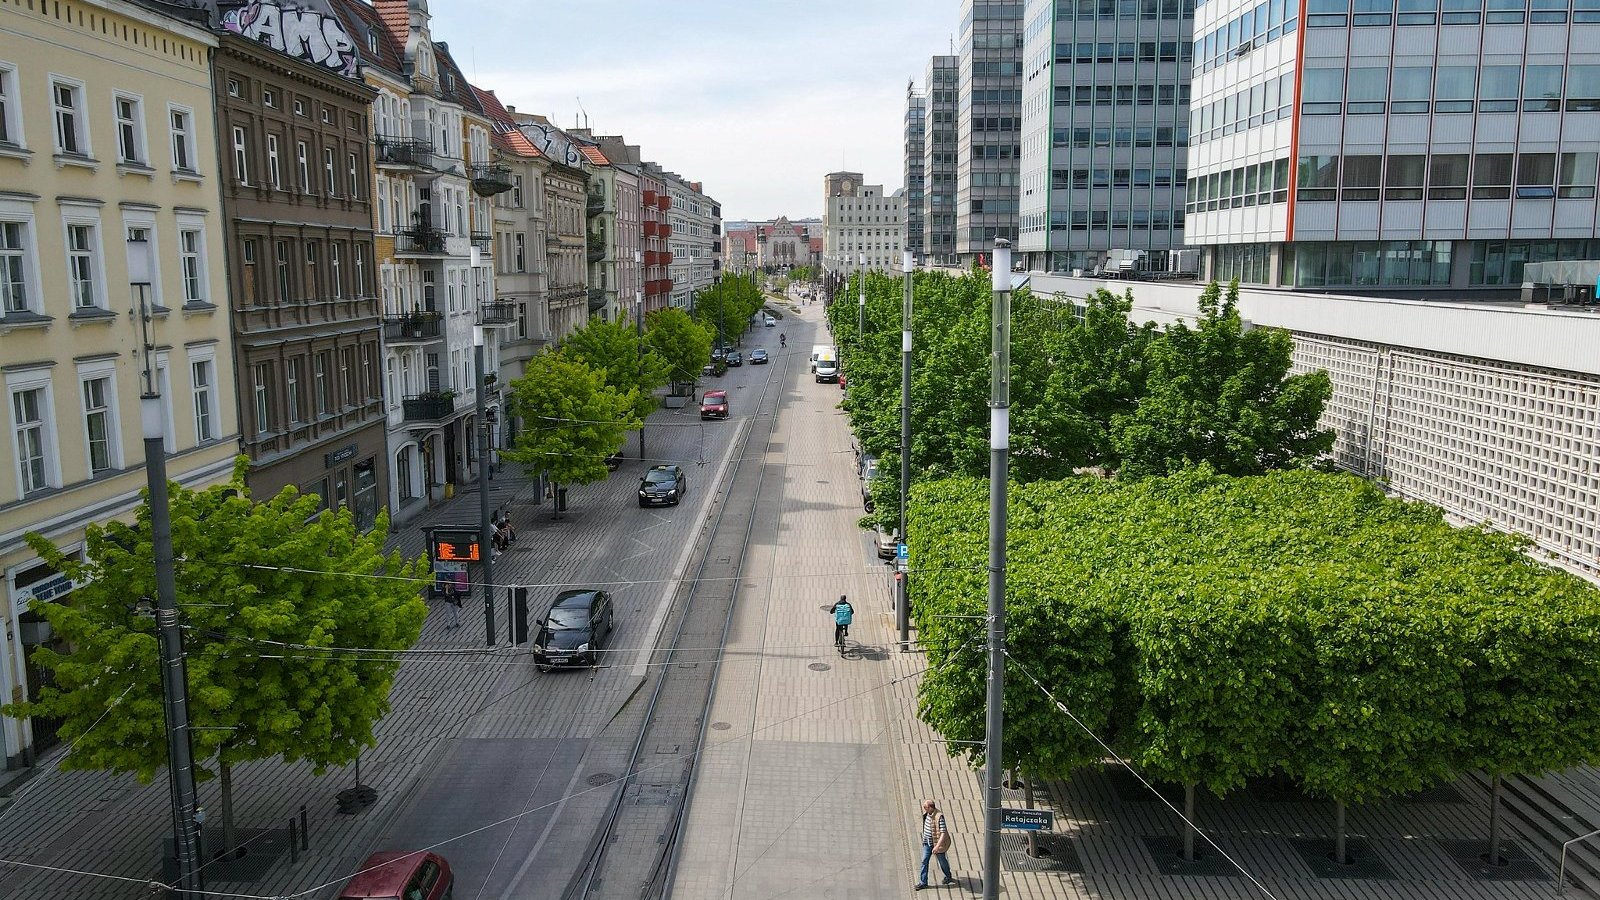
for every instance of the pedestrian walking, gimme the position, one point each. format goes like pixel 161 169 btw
pixel 935 843
pixel 452 607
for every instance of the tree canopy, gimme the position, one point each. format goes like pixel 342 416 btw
pixel 574 420
pixel 612 349
pixel 1298 623
pixel 682 344
pixel 258 585
pixel 725 307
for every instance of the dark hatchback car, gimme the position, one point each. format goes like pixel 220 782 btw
pixel 663 484
pixel 758 357
pixel 735 358
pixel 572 633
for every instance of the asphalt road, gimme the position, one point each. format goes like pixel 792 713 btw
pixel 518 795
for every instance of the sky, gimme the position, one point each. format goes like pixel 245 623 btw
pixel 755 99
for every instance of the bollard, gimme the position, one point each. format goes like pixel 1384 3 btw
pixel 305 832
pixel 294 842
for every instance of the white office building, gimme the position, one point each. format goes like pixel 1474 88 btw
pixel 861 225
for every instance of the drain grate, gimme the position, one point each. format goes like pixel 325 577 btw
pixel 819 667
pixel 720 726
pixel 600 778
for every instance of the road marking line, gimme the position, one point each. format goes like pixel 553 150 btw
pixel 659 620
pixel 533 853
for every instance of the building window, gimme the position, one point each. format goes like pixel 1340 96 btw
pixel 355 176
pixel 329 181
pixel 81 266
pixel 249 252
pixel 274 172
pixel 1447 176
pixel 313 254
pixel 1404 177
pixel 285 281
pixel 10 126
pixel 1498 88
pixel 292 389
pixel 241 155
pixel 521 252
pixel 130 130
pixel 29 409
pixel 1491 176
pixel 204 412
pixel 70 137
pixel 97 421
pixel 348 375
pixel 360 288
pixel 1541 88
pixel 189 252
pixel 1323 92
pixel 1361 177
pixel 182 141
pixel 1412 89
pixel 269 98
pixel 1577 175
pixel 301 155
pixel 235 88
pixel 13 278
pixel 320 387
pixel 299 107
pixel 1455 89
pixel 1583 85
pixel 335 257
pixel 262 372
pixel 1536 176
pixel 1319 178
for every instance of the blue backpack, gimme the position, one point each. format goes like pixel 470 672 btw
pixel 843 613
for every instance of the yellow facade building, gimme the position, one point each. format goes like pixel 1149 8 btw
pixel 109 201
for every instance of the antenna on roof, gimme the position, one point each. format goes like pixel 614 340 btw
pixel 585 114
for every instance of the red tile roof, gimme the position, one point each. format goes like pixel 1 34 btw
pixel 396 18
pixel 593 154
pixel 816 245
pixel 506 134
pixel 360 20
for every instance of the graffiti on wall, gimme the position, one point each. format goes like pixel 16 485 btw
pixel 553 143
pixel 307 34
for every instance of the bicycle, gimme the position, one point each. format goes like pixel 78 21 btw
pixel 840 632
pixel 843 614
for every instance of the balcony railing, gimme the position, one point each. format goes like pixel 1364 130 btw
pixel 595 204
pixel 413 328
pixel 497 312
pixel 420 240
pixel 597 299
pixel 597 250
pixel 404 152
pixel 434 406
pixel 489 179
pixel 483 240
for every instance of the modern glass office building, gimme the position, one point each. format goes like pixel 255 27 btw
pixel 942 84
pixel 988 124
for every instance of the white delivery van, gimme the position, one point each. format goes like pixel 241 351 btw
pixel 819 349
pixel 827 366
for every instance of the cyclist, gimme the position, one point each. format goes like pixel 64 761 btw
pixel 843 613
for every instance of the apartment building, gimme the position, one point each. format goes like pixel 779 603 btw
pixel 1105 123
pixel 655 233
pixel 694 232
pixel 433 247
pixel 861 225
pixel 916 132
pixel 111 263
pixel 1424 150
pixel 297 196
pixel 615 253
pixel 519 237
pixel 988 124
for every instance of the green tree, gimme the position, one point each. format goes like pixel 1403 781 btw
pixel 259 587
pixel 682 344
pixel 1221 395
pixel 574 421
pixel 613 350
pixel 726 307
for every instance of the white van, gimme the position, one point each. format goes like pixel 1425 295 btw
pixel 820 349
pixel 827 366
pixel 768 321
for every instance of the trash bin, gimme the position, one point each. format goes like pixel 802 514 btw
pixel 561 499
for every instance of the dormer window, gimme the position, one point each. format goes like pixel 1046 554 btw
pixel 372 40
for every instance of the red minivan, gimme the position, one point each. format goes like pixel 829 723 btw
pixel 401 875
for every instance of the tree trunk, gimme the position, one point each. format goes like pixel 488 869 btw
pixel 1338 836
pixel 230 838
pixel 1494 823
pixel 1188 825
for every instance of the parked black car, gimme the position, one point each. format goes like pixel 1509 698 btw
pixel 572 633
pixel 735 358
pixel 663 484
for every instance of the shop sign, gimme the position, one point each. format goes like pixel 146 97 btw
pixel 45 590
pixel 340 455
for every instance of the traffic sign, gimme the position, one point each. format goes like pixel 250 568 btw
pixel 1028 819
pixel 901 551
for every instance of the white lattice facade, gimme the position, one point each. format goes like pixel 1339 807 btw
pixel 1516 447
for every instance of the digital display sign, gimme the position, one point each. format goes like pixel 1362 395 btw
pixel 456 546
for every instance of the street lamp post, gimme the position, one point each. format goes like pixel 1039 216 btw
pixel 638 327
pixel 485 524
pixel 999 450
pixel 902 607
pixel 174 673
pixel 861 307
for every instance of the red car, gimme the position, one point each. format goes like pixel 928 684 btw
pixel 715 405
pixel 390 874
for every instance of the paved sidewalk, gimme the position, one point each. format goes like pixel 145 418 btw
pixel 814 766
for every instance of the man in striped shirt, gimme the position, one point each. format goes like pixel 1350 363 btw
pixel 935 843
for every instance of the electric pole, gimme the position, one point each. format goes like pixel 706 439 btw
pixel 485 524
pixel 902 604
pixel 999 447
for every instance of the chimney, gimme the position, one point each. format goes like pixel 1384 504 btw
pixel 511 109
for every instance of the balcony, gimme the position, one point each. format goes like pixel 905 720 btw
pixel 597 299
pixel 595 204
pixel 484 241
pixel 597 248
pixel 652 229
pixel 403 153
pixel 434 406
pixel 665 230
pixel 650 198
pixel 663 202
pixel 489 179
pixel 420 242
pixel 420 327
pixel 497 312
